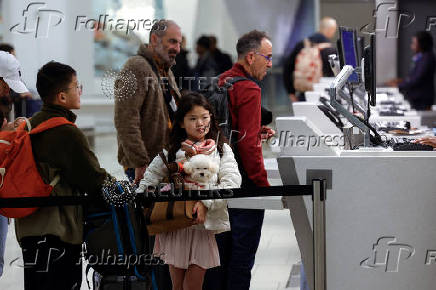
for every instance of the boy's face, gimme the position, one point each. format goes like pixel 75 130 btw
pixel 72 95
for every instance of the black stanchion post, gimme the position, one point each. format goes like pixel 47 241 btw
pixel 319 246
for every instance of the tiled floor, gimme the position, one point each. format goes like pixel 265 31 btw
pixel 277 253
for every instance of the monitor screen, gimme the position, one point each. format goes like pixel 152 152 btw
pixel 348 40
pixel 370 70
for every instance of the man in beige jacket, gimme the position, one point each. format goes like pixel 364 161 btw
pixel 144 112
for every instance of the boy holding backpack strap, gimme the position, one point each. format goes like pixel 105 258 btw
pixel 51 237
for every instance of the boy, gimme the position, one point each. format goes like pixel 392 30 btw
pixel 51 237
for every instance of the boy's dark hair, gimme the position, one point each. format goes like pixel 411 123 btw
pixel 6 47
pixel 2 117
pixel 250 42
pixel 178 134
pixel 53 78
pixel 425 41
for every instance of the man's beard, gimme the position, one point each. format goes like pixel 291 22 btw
pixel 164 55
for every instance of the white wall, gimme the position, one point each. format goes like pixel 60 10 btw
pixel 61 44
pixel 386 44
pixel 228 20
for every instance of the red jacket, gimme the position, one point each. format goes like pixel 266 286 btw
pixel 245 105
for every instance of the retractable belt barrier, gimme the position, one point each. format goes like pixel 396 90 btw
pixel 285 190
pixel 317 190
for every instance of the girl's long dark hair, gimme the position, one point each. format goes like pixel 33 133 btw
pixel 178 134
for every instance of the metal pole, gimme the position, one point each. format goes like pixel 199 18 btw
pixel 319 247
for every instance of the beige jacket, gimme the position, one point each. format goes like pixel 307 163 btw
pixel 141 115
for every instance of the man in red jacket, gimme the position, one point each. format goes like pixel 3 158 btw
pixel 238 248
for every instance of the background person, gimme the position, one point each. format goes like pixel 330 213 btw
pixel 222 59
pixel 9 78
pixel 17 99
pixel 182 70
pixel 327 30
pixel 418 86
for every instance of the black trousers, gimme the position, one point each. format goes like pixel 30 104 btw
pixel 237 250
pixel 50 263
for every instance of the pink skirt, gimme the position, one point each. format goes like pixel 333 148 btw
pixel 186 247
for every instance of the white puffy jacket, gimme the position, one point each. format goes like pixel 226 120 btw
pixel 228 176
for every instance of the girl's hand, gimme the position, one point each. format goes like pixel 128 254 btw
pixel 201 211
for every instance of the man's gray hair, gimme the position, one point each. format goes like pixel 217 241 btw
pixel 250 41
pixel 160 28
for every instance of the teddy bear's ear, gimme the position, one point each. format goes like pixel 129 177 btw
pixel 187 168
pixel 214 167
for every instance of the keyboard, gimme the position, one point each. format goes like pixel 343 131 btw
pixel 391 113
pixel 408 146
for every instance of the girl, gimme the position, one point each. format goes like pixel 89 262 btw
pixel 191 251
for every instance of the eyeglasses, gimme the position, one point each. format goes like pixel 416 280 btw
pixel 268 58
pixel 78 87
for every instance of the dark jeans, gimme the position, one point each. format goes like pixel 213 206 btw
pixel 237 250
pixel 50 263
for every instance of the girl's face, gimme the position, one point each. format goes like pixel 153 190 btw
pixel 196 123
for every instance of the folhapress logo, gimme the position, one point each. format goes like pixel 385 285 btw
pixel 388 24
pixel 387 255
pixel 38 19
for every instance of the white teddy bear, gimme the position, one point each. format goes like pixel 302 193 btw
pixel 199 170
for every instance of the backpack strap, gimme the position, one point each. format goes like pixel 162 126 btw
pixel 46 125
pixel 29 126
pixel 234 80
pixel 51 123
pixel 164 159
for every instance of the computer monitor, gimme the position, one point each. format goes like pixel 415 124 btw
pixel 369 70
pixel 360 47
pixel 347 47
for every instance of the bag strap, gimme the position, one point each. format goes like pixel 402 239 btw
pixel 51 123
pixel 46 125
pixel 237 79
pixel 164 159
